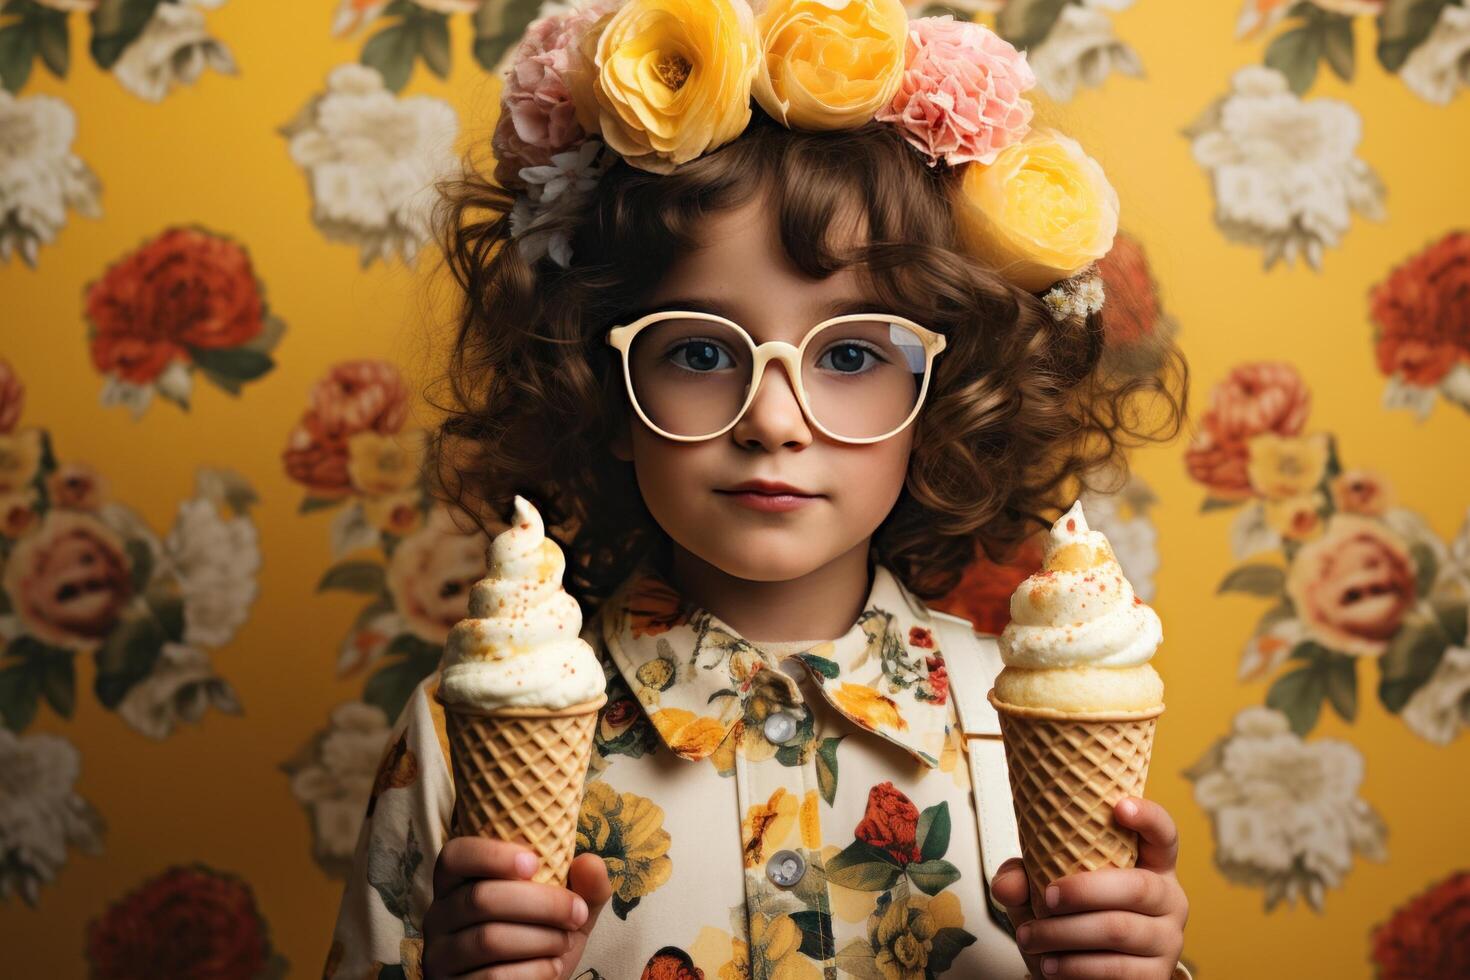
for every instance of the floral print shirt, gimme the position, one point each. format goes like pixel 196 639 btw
pixel 793 811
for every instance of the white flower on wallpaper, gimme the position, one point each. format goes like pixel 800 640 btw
pixel 174 49
pixel 1441 708
pixel 217 559
pixel 181 686
pixel 1440 67
pixel 1284 170
pixel 371 160
pixel 40 178
pixel 1081 50
pixel 1285 812
pixel 41 815
pixel 1123 518
pixel 332 777
pixel 555 192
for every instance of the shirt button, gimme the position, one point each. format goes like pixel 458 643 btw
pixel 785 868
pixel 780 727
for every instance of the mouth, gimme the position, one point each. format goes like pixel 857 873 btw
pixel 764 495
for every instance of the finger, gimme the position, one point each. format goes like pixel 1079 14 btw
pixel 1119 932
pixel 490 900
pixel 1010 889
pixel 587 876
pixel 490 943
pixel 464 858
pixel 542 969
pixel 1158 838
pixel 1101 966
pixel 1129 889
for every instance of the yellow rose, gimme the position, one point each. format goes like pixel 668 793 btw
pixel 668 79
pixel 1285 466
pixel 1041 212
pixel 1296 518
pixel 379 464
pixel 396 513
pixel 20 457
pixel 824 68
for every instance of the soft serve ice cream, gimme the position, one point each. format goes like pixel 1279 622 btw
pixel 1079 639
pixel 520 647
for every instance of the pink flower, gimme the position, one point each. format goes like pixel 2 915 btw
pixel 960 98
pixel 537 115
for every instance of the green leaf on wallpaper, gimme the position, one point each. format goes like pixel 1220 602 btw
pixel 1337 45
pixel 59 683
pixel 1026 23
pixel 1299 695
pixel 1426 567
pixel 366 577
pixel 1215 503
pixel 230 386
pixel 126 657
pixel 1342 685
pixel 1295 53
pixel 115 25
pixel 309 504
pixel 434 43
pixel 1264 580
pixel 1410 660
pixel 20 690
pixel 498 25
pixel 391 51
pixel 1403 25
pixel 391 687
pixel 17 51
pixel 235 363
pixel 1452 615
pixel 53 41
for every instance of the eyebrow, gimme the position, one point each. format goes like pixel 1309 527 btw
pixel 838 307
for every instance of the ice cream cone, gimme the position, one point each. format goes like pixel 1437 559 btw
pixel 1068 770
pixel 519 775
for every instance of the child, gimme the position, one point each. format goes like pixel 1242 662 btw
pixel 777 786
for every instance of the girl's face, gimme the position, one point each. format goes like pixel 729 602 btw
pixel 742 273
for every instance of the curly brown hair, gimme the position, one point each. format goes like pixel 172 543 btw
pixel 1023 410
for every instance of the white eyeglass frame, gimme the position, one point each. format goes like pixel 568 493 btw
pixel 621 337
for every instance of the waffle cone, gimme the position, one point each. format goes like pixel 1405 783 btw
pixel 1067 771
pixel 519 775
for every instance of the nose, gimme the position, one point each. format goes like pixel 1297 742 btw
pixel 774 418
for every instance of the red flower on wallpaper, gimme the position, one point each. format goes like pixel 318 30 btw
pixel 1421 316
pixel 1429 937
pixel 354 397
pixel 890 823
pixel 983 595
pixel 1264 397
pixel 186 300
pixel 186 922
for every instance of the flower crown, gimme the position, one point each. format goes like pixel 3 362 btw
pixel 661 82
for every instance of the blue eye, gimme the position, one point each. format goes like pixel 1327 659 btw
pixel 700 356
pixel 847 357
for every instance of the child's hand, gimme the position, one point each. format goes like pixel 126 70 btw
pixel 489 922
pixel 1114 923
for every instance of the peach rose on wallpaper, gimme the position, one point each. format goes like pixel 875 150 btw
pixel 1422 313
pixel 1353 585
pixel 430 576
pixel 1429 935
pixel 76 486
pixel 186 288
pixel 12 397
pixel 70 580
pixel 1264 397
pixel 1361 491
pixel 354 397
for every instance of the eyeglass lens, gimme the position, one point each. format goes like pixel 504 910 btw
pixel 862 377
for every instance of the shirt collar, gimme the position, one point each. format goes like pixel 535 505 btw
pixel 694 674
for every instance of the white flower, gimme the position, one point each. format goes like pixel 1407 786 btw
pixel 555 192
pixel 1440 65
pixel 134 397
pixel 40 178
pixel 1283 170
pixel 1122 517
pixel 1456 385
pixel 1285 812
pixel 174 48
pixel 181 687
pixel 1418 399
pixel 1081 50
pixel 333 778
pixel 1438 710
pixel 40 813
pixel 216 560
pixel 371 159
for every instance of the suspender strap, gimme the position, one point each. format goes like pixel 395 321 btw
pixel 973 661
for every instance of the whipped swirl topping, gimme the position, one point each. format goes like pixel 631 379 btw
pixel 1079 610
pixel 521 644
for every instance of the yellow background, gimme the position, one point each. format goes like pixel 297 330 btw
pixel 209 154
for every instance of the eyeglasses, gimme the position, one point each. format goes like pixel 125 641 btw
pixel 859 378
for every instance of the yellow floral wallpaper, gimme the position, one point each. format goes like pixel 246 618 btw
pixel 220 576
